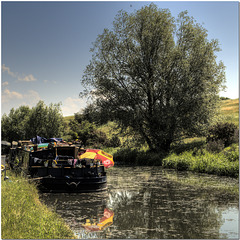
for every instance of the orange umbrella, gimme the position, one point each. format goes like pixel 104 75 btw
pixel 105 158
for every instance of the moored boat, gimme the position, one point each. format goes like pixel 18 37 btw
pixel 62 167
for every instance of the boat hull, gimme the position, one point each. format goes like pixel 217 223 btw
pixel 59 185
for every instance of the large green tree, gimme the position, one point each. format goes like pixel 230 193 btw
pixel 157 74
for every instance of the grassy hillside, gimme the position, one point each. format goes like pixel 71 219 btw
pixel 230 110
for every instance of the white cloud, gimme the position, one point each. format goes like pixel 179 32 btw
pixel 8 95
pixel 72 105
pixel 47 81
pixel 31 98
pixel 28 78
pixel 22 78
pixel 13 99
pixel 7 69
pixel 5 84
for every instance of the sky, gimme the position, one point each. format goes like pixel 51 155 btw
pixel 46 46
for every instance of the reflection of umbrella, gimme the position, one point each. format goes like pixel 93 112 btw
pixel 104 222
pixel 97 154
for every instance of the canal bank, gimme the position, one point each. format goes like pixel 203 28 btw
pixel 24 216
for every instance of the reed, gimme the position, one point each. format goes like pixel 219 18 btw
pixel 23 216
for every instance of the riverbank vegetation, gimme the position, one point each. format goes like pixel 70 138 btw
pixel 224 163
pixel 206 153
pixel 23 216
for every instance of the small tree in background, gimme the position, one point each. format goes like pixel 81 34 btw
pixel 15 126
pixel 86 132
pixel 25 123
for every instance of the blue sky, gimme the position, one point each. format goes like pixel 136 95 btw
pixel 45 46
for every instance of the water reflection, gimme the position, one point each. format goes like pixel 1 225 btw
pixel 148 202
pixel 105 221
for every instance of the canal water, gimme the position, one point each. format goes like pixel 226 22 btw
pixel 151 202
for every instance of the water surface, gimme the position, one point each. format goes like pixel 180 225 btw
pixel 151 202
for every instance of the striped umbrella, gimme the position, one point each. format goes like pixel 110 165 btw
pixel 97 154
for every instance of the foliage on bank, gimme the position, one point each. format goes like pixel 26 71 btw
pixel 224 163
pixel 25 217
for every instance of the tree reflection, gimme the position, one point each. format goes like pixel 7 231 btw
pixel 164 209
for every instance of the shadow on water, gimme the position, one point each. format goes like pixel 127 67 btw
pixel 150 202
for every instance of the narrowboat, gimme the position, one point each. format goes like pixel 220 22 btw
pixel 61 167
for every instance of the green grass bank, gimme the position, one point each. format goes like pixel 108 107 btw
pixel 225 163
pixel 24 216
pixel 194 158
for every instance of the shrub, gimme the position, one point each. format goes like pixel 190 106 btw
pixel 232 153
pixel 133 156
pixel 182 147
pixel 225 132
pixel 215 146
pixel 126 156
pixel 207 163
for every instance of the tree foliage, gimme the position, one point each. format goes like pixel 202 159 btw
pixel 15 126
pixel 156 74
pixel 86 131
pixel 25 123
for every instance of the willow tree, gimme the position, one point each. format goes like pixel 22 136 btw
pixel 157 74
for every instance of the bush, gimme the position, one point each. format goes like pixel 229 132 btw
pixel 225 132
pixel 142 158
pixel 183 147
pixel 215 146
pixel 126 156
pixel 232 153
